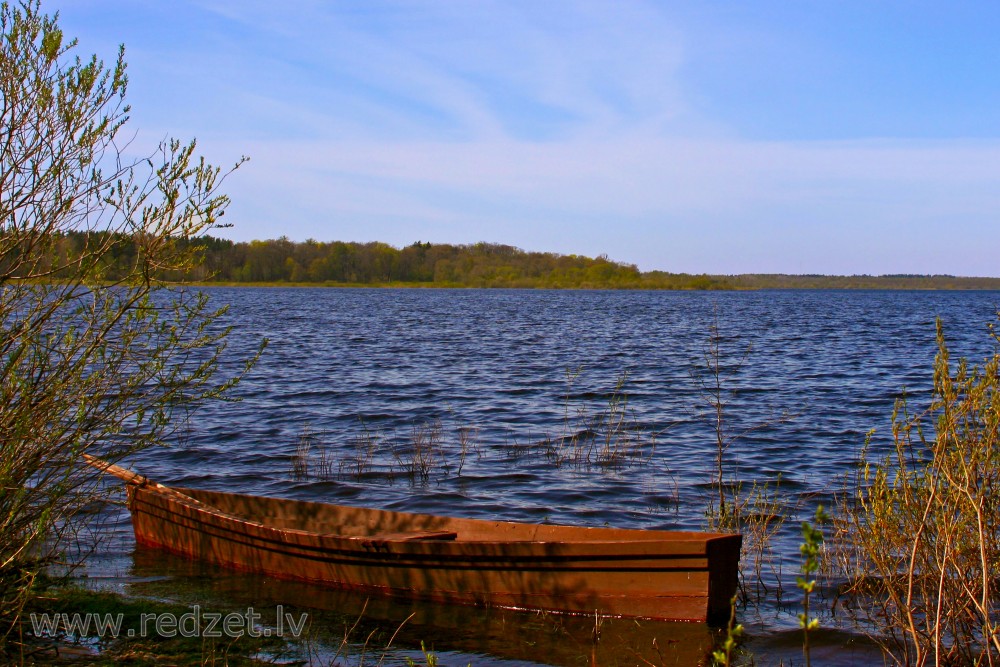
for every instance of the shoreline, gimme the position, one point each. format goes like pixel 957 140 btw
pixel 445 286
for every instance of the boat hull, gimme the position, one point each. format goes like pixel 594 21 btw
pixel 631 573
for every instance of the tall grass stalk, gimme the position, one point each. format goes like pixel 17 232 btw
pixel 760 512
pixel 468 438
pixel 715 387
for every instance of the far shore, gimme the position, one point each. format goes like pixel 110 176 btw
pixel 739 283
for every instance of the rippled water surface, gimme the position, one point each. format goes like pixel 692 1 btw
pixel 359 372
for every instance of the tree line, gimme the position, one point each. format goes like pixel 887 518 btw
pixel 348 263
pixel 282 261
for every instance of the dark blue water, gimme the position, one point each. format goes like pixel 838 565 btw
pixel 360 374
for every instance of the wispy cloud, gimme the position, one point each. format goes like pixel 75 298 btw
pixel 466 72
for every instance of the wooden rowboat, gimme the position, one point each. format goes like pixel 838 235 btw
pixel 686 576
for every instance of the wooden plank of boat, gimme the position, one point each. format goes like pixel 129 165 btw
pixel 663 575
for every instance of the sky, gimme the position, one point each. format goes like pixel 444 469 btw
pixel 794 136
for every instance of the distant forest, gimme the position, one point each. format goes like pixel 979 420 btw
pixel 282 261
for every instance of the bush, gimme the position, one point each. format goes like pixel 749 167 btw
pixel 91 363
pixel 922 528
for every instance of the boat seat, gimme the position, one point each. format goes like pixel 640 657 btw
pixel 407 536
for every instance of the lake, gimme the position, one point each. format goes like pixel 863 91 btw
pixel 578 407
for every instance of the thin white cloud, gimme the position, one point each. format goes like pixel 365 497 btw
pixel 724 183
pixel 602 66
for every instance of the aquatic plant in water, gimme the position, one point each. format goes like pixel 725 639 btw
pixel 920 530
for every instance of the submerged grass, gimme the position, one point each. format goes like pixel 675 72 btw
pixel 605 437
pixel 610 436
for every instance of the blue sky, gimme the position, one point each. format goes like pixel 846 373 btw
pixel 722 137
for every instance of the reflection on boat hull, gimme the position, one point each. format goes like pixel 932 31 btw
pixel 503 635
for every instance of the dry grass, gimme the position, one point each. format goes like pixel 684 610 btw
pixel 300 460
pixel 759 514
pixel 422 453
pixel 609 436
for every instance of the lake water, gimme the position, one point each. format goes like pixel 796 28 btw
pixel 360 374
